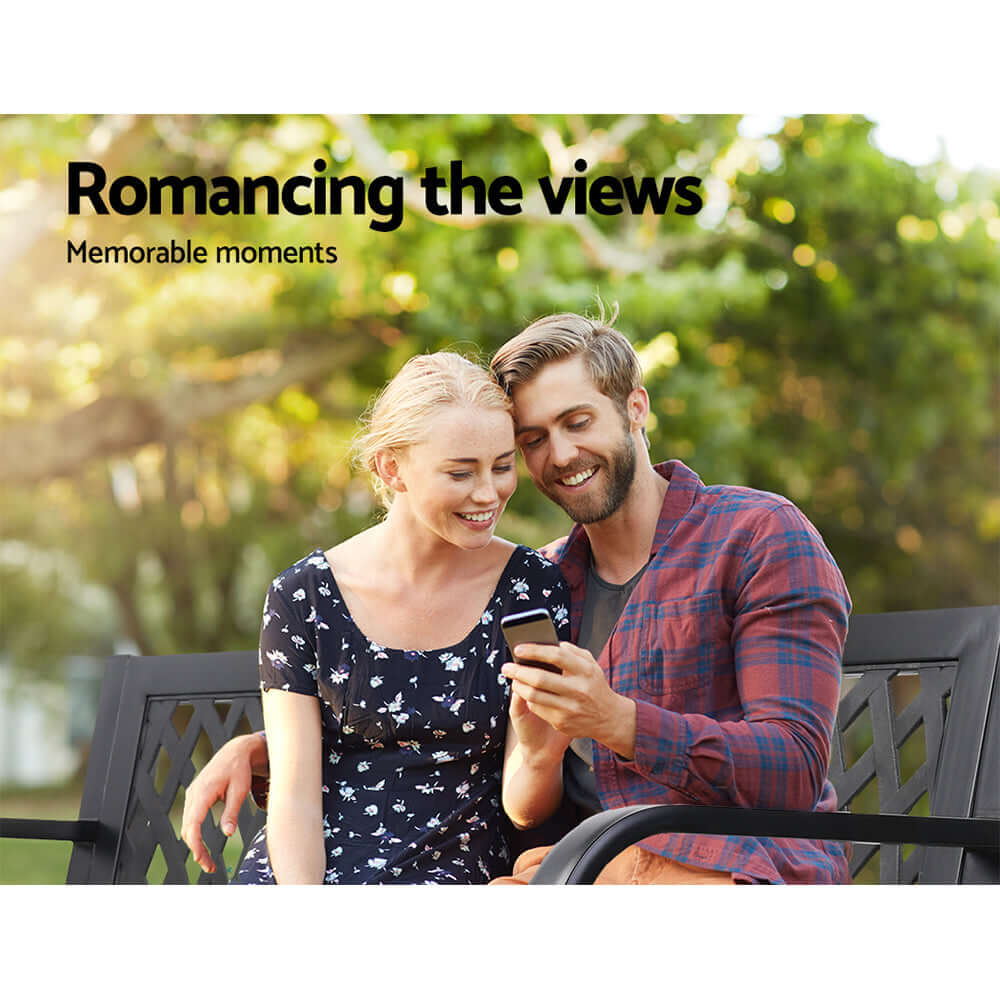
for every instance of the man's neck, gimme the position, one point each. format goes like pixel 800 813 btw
pixel 620 544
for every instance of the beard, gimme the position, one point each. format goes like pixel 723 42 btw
pixel 620 469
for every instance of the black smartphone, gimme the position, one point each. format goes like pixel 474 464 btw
pixel 534 625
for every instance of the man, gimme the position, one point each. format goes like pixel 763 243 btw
pixel 708 627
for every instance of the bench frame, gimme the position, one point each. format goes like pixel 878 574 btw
pixel 124 818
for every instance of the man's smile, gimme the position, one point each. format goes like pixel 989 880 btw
pixel 578 477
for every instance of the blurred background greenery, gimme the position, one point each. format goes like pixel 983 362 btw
pixel 827 328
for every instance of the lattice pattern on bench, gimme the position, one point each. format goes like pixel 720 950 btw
pixel 905 706
pixel 179 737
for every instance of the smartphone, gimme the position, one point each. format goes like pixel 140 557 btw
pixel 530 626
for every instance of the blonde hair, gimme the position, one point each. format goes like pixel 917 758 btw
pixel 610 358
pixel 397 417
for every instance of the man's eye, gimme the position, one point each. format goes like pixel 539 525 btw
pixel 578 426
pixel 531 443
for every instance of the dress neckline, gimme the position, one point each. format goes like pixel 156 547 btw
pixel 424 652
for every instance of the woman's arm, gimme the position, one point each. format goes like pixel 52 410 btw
pixel 533 753
pixel 532 766
pixel 295 802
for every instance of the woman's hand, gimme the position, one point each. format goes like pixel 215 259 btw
pixel 539 742
pixel 532 769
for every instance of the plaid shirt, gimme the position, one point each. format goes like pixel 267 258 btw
pixel 730 646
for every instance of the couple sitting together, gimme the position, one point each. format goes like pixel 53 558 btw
pixel 701 634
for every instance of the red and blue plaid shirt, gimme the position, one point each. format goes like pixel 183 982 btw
pixel 730 646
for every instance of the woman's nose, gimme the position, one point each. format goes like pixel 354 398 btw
pixel 485 491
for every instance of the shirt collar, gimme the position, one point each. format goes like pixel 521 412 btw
pixel 574 559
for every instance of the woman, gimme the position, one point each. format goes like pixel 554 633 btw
pixel 384 704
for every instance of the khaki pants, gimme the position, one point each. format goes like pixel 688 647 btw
pixel 633 866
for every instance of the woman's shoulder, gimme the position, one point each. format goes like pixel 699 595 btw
pixel 301 573
pixel 525 559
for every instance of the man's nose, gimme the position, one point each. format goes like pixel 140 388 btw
pixel 562 451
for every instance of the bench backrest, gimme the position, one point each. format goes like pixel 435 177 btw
pixel 918 730
pixel 160 718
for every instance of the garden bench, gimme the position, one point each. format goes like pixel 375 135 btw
pixel 916 746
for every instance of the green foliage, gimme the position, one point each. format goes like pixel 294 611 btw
pixel 832 335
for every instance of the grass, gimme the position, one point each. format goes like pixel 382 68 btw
pixel 37 862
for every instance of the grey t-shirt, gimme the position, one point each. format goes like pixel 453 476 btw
pixel 602 607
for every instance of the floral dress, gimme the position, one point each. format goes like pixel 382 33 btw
pixel 412 739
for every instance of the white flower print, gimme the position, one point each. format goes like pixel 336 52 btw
pixel 375 681
pixel 560 615
pixel 467 727
pixel 377 651
pixel 324 589
pixel 487 617
pixel 429 788
pixel 338 676
pixel 299 641
pixel 520 587
pixel 299 595
pixel 452 662
pixel 399 806
pixel 276 656
pixel 334 757
pixel 347 792
pixel 377 863
pixel 371 810
pixel 450 702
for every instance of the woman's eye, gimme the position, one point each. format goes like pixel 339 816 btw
pixel 459 475
pixel 503 468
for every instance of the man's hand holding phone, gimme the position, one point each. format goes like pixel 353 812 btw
pixel 567 688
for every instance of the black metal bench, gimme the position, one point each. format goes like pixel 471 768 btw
pixel 917 747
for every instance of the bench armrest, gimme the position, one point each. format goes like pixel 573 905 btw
pixel 581 855
pixel 79 831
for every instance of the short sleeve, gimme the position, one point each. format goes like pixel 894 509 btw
pixel 551 592
pixel 287 659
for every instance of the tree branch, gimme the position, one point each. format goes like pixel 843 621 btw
pixel 112 425
pixel 614 255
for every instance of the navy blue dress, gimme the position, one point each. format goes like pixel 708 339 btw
pixel 412 739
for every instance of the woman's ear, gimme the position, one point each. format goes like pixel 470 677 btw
pixel 388 470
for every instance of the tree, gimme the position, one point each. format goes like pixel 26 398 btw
pixel 176 434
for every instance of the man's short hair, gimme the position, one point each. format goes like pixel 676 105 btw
pixel 610 358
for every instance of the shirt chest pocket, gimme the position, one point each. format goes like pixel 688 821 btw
pixel 684 645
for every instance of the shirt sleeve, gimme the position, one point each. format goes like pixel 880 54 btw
pixel 287 658
pixel 557 603
pixel 788 631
